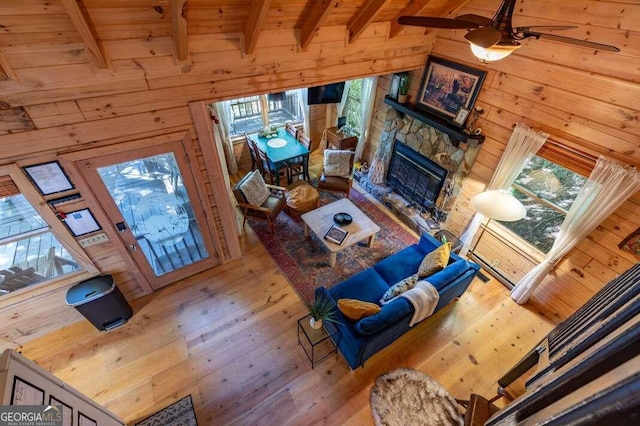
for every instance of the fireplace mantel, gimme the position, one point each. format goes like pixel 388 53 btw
pixel 456 134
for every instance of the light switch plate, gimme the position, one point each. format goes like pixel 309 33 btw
pixel 93 240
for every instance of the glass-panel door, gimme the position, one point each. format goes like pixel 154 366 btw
pixel 154 213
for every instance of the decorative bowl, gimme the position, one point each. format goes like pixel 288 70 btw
pixel 342 219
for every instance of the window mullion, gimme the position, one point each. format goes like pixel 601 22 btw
pixel 540 200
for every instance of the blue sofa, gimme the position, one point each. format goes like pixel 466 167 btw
pixel 359 340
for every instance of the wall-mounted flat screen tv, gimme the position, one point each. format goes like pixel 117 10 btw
pixel 327 94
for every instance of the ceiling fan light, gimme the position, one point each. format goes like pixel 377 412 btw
pixel 496 52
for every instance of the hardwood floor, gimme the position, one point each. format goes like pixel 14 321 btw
pixel 227 336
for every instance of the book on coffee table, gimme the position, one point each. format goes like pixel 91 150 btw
pixel 336 235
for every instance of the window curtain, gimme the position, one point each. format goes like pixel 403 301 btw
pixel 367 102
pixel 343 101
pixel 221 110
pixel 523 143
pixel 304 108
pixel 608 186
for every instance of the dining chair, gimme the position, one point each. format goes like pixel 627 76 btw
pixel 290 128
pixel 297 164
pixel 254 160
pixel 268 168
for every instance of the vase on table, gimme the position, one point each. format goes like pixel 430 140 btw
pixel 315 324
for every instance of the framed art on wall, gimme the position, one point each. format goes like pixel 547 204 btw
pixel 448 87
pixel 49 178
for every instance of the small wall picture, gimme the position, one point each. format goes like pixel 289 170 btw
pixel 49 178
pixel 81 222
pixel 461 116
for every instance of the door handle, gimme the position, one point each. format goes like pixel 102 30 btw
pixel 133 247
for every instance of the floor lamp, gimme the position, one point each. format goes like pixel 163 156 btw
pixel 497 204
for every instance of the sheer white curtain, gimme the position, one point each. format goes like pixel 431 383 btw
pixel 523 143
pixel 609 186
pixel 367 101
pixel 343 101
pixel 304 107
pixel 221 133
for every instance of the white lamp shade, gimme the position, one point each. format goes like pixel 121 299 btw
pixel 494 53
pixel 499 205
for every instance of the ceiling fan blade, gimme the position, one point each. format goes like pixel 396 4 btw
pixel 574 41
pixel 482 21
pixel 545 28
pixel 427 21
pixel 484 37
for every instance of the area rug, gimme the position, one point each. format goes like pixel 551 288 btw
pixel 180 413
pixel 407 397
pixel 305 261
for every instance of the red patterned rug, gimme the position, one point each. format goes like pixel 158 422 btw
pixel 305 261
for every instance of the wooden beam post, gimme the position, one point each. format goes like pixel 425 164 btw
pixel 82 22
pixel 257 15
pixel 6 72
pixel 367 13
pixel 315 20
pixel 180 31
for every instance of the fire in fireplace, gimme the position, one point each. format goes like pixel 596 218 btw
pixel 415 177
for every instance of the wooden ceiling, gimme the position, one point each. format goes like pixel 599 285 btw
pixel 84 27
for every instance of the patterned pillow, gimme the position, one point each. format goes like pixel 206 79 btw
pixel 435 261
pixel 254 189
pixel 398 288
pixel 337 162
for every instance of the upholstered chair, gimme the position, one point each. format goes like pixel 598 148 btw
pixel 259 200
pixel 336 174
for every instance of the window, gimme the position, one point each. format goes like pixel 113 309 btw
pixel 253 113
pixel 547 190
pixel 29 252
pixel 352 106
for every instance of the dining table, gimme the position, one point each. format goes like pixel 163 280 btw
pixel 282 149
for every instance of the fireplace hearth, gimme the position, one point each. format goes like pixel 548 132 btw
pixel 415 177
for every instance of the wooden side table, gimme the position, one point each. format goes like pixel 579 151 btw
pixel 337 140
pixel 317 344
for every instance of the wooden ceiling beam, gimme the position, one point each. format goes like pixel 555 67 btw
pixel 83 25
pixel 257 16
pixel 367 13
pixel 317 17
pixel 180 30
pixel 439 8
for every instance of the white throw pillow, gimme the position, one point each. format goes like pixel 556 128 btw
pixel 337 162
pixel 254 189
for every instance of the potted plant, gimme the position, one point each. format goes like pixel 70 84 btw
pixel 322 309
pixel 403 90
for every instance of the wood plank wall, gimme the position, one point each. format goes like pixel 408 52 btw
pixel 582 98
pixel 73 106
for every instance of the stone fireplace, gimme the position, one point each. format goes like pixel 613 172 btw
pixel 455 158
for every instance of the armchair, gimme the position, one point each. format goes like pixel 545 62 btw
pixel 268 210
pixel 336 177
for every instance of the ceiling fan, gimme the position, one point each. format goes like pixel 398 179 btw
pixel 495 38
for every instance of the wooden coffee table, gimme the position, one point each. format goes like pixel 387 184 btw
pixel 321 219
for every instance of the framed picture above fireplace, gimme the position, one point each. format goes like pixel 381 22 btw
pixel 447 87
